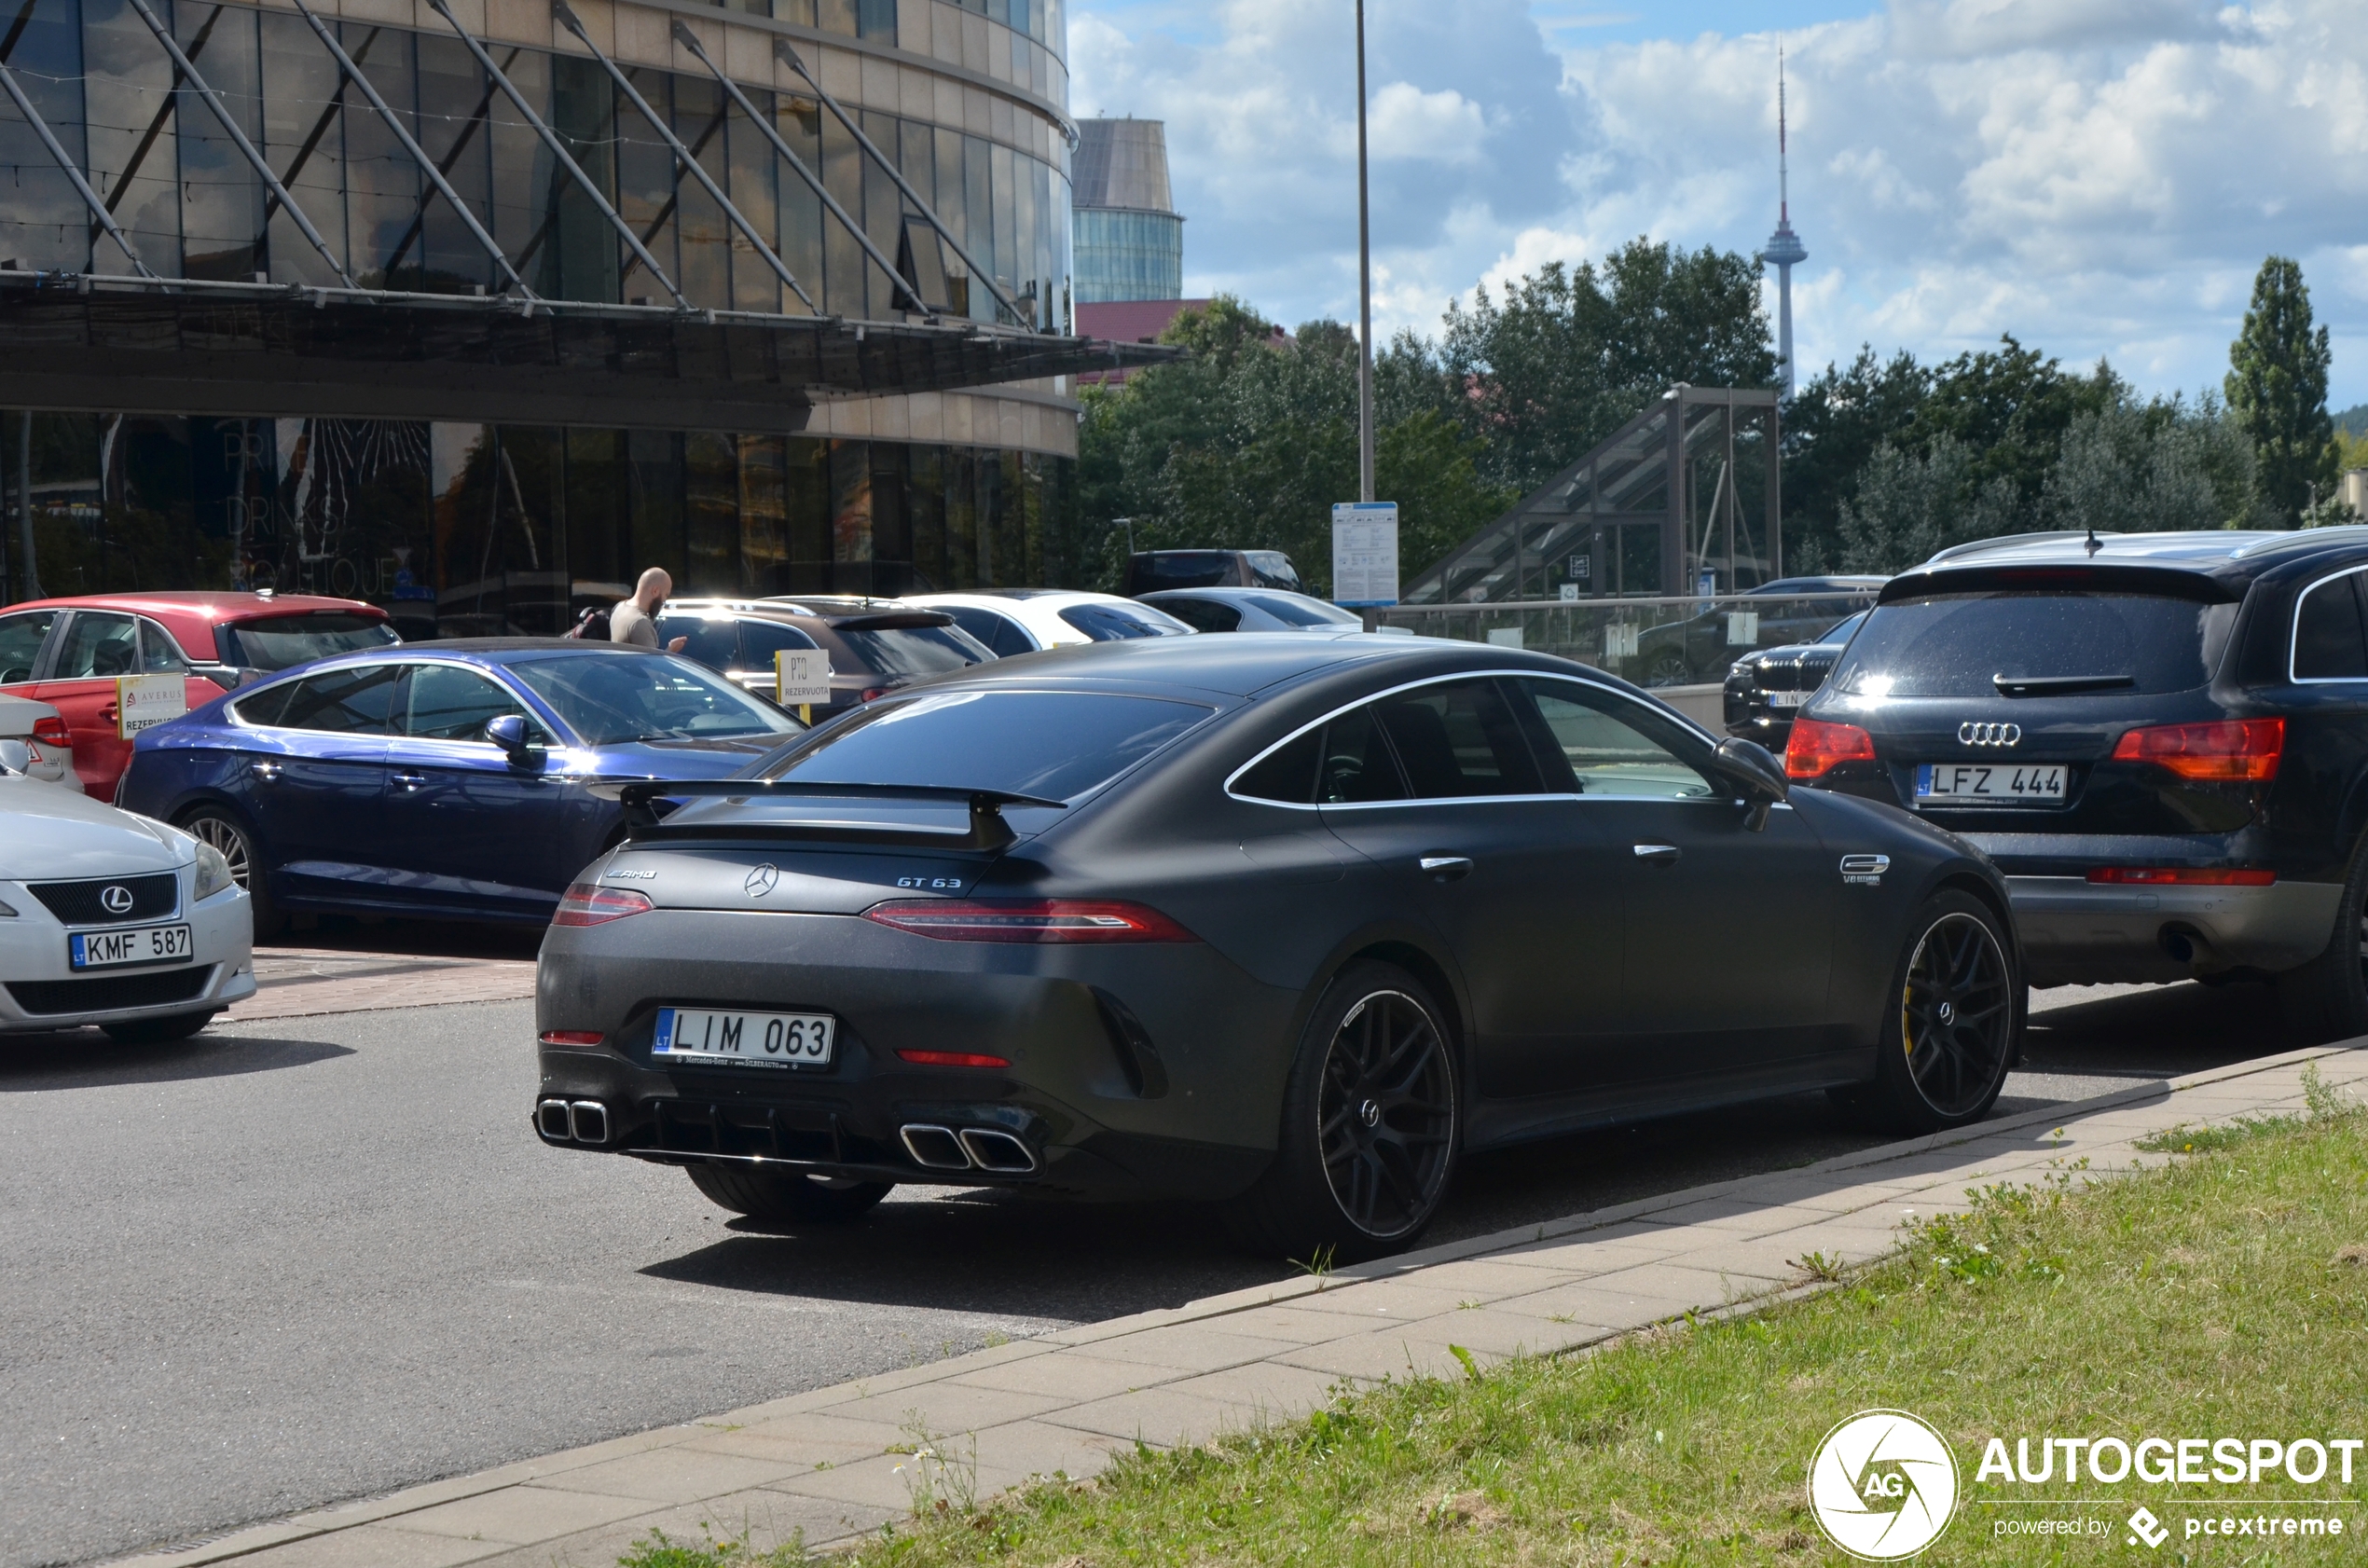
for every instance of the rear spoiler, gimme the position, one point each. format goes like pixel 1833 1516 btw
pixel 987 830
pixel 2111 577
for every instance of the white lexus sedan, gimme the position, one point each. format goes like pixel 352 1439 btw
pixel 111 919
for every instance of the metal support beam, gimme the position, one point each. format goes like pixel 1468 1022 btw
pixel 73 171
pixel 690 41
pixel 551 140
pixel 419 154
pixel 789 57
pixel 683 154
pixel 246 148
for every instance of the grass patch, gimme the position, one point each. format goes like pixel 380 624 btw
pixel 2227 1294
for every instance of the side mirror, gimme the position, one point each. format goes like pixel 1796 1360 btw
pixel 1753 770
pixel 510 733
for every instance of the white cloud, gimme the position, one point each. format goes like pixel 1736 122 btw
pixel 1442 126
pixel 2098 178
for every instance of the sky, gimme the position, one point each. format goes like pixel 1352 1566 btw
pixel 2097 177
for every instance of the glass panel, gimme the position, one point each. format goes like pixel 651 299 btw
pixel 455 98
pixel 883 212
pixel 925 507
pixel 876 19
pixel 598 553
pixel 1289 775
pixel 755 286
pixel 450 703
pixel 1119 623
pixel 1204 614
pixel 128 96
pixel 158 653
pixel 609 699
pixel 712 509
pixel 706 235
pixel 98 645
pixel 589 260
pixel 523 195
pixel 1053 744
pixel 952 200
pixel 654 482
pixel 304 142
pixel 645 189
pixel 1458 739
pixel 845 262
pixel 850 509
pixel 1955 646
pixel 20 639
pixel 221 198
pixel 836 16
pixel 799 123
pixel 761 640
pixel 382 184
pixel 1609 743
pixel 343 701
pixel 2327 638
pixel 978 208
pixel 1007 231
pixel 44 223
pixel 279 641
pixel 764 540
pixel 1356 764
pixel 713 641
pixel 807 509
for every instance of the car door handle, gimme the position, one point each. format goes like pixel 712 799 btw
pixel 408 781
pixel 264 772
pixel 1658 854
pixel 1446 867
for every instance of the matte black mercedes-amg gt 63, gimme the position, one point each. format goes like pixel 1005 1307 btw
pixel 1290 922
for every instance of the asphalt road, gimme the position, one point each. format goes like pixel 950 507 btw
pixel 298 1262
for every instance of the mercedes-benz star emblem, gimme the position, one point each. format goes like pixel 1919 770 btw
pixel 1979 733
pixel 762 880
pixel 116 898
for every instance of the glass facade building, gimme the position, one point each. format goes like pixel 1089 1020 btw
pixel 460 519
pixel 1130 242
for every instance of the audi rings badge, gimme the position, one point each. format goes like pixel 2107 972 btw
pixel 1983 733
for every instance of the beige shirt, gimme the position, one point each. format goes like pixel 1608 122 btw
pixel 628 623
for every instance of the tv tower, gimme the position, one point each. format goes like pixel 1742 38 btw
pixel 1783 247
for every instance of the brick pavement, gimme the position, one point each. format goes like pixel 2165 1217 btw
pixel 299 981
pixel 820 1463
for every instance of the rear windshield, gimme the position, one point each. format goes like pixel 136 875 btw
pixel 913 651
pixel 1116 623
pixel 609 699
pixel 1271 569
pixel 1961 645
pixel 278 641
pixel 1053 744
pixel 1181 568
pixel 1298 611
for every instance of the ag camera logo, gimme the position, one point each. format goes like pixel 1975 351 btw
pixel 1882 1485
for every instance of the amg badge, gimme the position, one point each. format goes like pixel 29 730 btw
pixel 1864 871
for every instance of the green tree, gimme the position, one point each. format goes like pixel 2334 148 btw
pixel 1907 505
pixel 1832 427
pixel 2153 467
pixel 1247 444
pixel 2277 387
pixel 1568 355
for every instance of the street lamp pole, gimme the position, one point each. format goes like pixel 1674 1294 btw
pixel 1364 286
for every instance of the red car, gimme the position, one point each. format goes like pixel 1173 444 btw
pixel 69 653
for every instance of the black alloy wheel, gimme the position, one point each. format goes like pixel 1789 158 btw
pixel 1371 1126
pixel 1955 1020
pixel 2327 998
pixel 1385 1119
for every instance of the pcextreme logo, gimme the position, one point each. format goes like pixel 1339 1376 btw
pixel 1882 1485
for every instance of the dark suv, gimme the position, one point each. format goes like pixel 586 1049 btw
pixel 2161 738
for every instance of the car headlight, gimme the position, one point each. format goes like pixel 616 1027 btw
pixel 214 873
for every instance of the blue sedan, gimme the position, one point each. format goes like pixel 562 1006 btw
pixel 439 780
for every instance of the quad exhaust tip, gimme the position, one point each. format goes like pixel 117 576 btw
pixel 983 1148
pixel 581 1120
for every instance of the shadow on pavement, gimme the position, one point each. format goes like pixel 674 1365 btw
pixel 2151 1031
pixel 436 938
pixel 87 1059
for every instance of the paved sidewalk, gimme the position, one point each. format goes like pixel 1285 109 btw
pixel 820 1463
pixel 302 981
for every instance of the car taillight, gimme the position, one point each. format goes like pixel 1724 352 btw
pixel 51 732
pixel 2227 750
pixel 1036 920
pixel 571 1036
pixel 871 692
pixel 951 1059
pixel 588 903
pixel 2183 877
pixel 1816 747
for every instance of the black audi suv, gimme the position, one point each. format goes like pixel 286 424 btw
pixel 2162 739
pixel 1284 920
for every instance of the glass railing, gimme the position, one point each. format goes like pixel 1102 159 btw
pixel 1651 642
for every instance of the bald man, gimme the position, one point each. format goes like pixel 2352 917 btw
pixel 632 621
